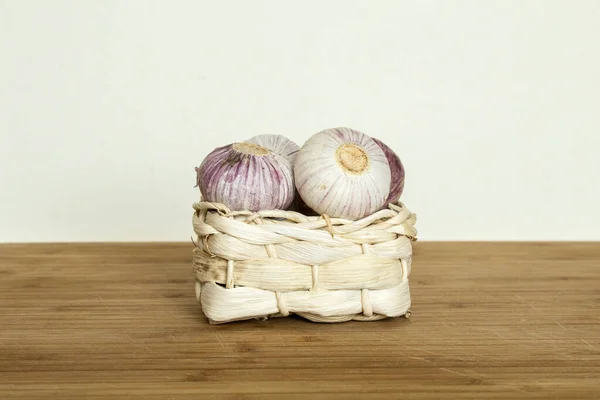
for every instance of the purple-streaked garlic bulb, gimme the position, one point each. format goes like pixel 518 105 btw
pixel 278 144
pixel 289 149
pixel 343 173
pixel 246 176
pixel 397 170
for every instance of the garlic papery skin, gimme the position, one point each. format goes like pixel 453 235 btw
pixel 397 170
pixel 278 144
pixel 343 173
pixel 246 176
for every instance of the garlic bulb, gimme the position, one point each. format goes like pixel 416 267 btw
pixel 246 176
pixel 278 144
pixel 397 170
pixel 342 173
pixel 289 149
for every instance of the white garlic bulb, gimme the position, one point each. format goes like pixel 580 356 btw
pixel 278 144
pixel 246 176
pixel 343 173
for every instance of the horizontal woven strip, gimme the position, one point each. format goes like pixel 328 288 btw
pixel 364 271
pixel 307 252
pixel 223 305
pixel 287 233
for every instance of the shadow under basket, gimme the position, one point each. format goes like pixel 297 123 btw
pixel 272 263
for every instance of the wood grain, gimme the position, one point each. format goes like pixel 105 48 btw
pixel 489 320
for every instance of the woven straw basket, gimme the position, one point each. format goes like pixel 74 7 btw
pixel 257 265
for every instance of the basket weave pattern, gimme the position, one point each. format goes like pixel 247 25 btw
pixel 273 263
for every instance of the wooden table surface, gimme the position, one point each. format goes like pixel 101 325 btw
pixel 495 320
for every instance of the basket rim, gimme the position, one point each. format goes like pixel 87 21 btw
pixel 398 209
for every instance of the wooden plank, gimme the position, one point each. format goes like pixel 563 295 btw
pixel 489 320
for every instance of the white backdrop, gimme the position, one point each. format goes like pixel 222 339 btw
pixel 107 106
